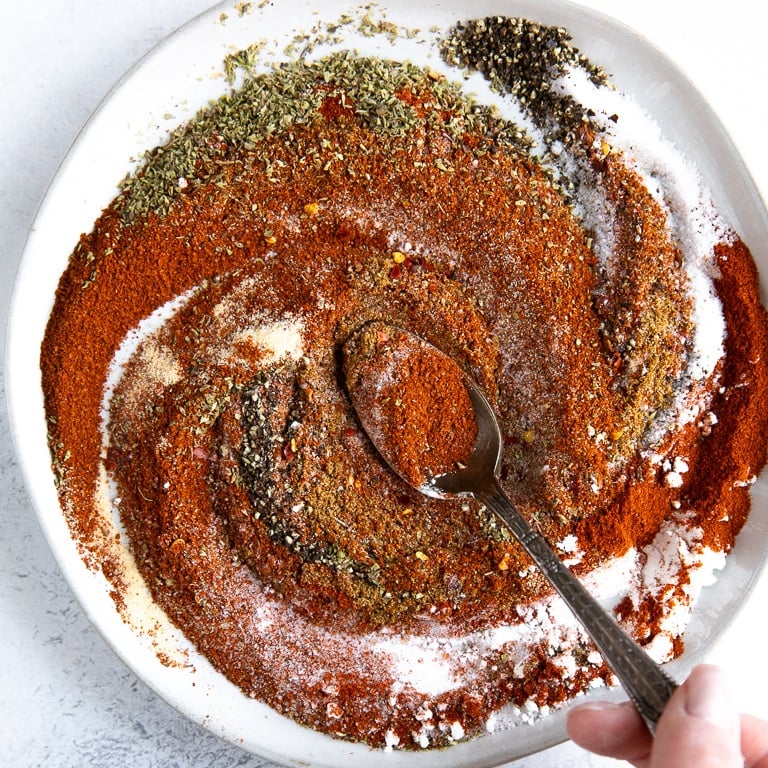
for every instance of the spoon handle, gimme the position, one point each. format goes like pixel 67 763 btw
pixel 648 687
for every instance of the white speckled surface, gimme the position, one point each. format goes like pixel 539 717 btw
pixel 65 699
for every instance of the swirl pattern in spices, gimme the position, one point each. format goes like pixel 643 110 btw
pixel 258 513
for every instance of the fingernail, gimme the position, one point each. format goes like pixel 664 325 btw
pixel 708 697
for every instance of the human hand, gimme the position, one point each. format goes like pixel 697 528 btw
pixel 700 728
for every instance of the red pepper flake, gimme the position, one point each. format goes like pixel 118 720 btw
pixel 289 450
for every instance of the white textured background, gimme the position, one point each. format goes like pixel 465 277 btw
pixel 65 699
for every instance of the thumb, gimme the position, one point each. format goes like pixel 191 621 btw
pixel 700 726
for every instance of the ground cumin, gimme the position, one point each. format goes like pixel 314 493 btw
pixel 255 507
pixel 412 401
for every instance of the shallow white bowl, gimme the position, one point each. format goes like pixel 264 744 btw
pixel 175 79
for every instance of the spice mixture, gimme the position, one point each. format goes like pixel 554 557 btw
pixel 412 401
pixel 585 283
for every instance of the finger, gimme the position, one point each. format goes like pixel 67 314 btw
pixel 700 725
pixel 613 730
pixel 754 742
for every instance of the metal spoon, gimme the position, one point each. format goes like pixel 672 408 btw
pixel 647 685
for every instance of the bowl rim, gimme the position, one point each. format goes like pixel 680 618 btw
pixel 734 192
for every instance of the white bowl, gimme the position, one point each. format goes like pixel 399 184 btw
pixel 177 78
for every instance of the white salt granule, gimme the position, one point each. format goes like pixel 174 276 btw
pixel 673 480
pixel 567 663
pixel 428 666
pixel 570 546
pixel 675 549
pixel 391 740
pixel 674 470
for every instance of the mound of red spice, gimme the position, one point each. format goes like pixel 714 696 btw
pixel 412 401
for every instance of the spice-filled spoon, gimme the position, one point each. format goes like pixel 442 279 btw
pixel 452 446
